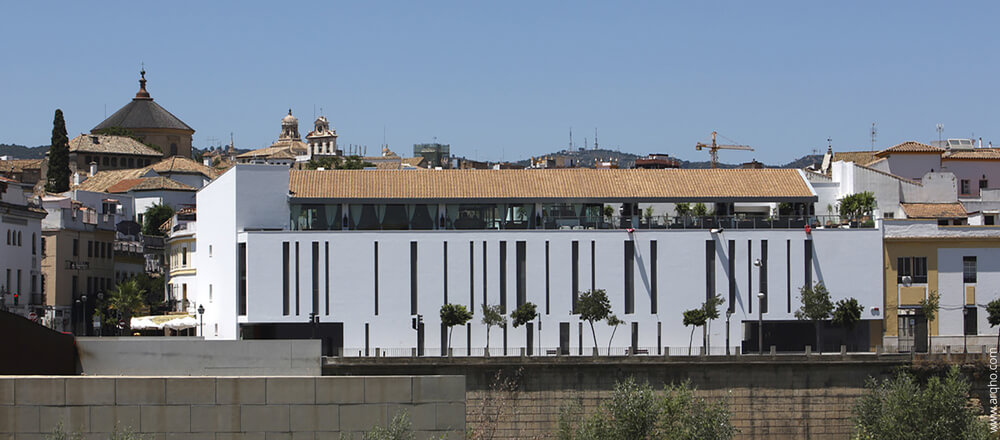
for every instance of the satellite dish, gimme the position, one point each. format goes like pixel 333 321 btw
pixel 907 280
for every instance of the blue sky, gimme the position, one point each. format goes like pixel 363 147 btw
pixel 505 80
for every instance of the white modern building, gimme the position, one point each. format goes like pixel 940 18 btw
pixel 368 252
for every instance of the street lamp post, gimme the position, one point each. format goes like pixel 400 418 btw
pixel 100 327
pixel 729 313
pixel 760 323
pixel 83 314
pixel 201 319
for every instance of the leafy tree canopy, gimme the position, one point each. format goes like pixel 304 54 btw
pixel 857 205
pixel 455 314
pixel 929 306
pixel 58 174
pixel 816 304
pixel 682 208
pixel 593 305
pixel 524 314
pixel 699 210
pixel 492 315
pixel 847 313
pixel 353 162
pixel 993 312
pixel 154 217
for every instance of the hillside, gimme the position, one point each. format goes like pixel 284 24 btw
pixel 627 160
pixel 22 152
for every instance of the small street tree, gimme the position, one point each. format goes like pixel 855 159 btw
pixel 593 305
pixel 522 315
pixel 993 316
pixel 711 308
pixel 693 318
pixel 929 308
pixel 816 307
pixel 699 210
pixel 492 317
pixel 847 314
pixel 682 208
pixel 58 173
pixel 452 315
pixel 614 322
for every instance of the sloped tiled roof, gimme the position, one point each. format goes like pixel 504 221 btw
pixel 272 152
pixel 934 210
pixel 910 147
pixel 858 157
pixel 19 165
pixel 143 113
pixel 977 154
pixel 149 184
pixel 418 161
pixel 103 180
pixel 100 143
pixel 183 165
pixel 580 184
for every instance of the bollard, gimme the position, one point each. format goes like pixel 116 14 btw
pixel 451 352
pixel 809 349
pixel 878 350
pixel 522 351
pixel 701 351
pixel 666 352
pixel 843 350
pixel 376 351
pixel 774 350
pixel 413 352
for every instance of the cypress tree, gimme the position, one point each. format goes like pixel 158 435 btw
pixel 58 174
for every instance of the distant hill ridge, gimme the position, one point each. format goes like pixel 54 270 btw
pixel 22 152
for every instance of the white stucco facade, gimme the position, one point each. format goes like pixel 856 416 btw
pixel 413 270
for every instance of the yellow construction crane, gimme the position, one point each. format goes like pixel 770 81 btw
pixel 714 149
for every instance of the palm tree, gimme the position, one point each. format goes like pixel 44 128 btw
pixel 126 299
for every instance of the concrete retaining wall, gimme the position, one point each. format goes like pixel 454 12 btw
pixel 229 408
pixel 159 356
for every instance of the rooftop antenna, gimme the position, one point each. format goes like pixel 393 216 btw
pixel 940 129
pixel 874 134
pixel 595 138
pixel 570 138
pixel 314 111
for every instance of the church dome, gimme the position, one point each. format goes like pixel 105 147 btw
pixel 289 120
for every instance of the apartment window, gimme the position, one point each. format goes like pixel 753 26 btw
pixel 913 267
pixel 889 214
pixel 413 278
pixel 652 278
pixel 732 272
pixel 285 278
pixel 296 278
pixel 983 184
pixel 575 284
pixel 763 274
pixel 503 277
pixel 209 293
pixel 315 277
pixel 90 249
pixel 522 279
pixel 8 237
pixel 326 268
pixel 444 265
pixel 969 269
pixel 472 276
pixel 808 251
pixel 209 251
pixel 19 238
pixel 76 247
pixel 376 287
pixel 629 268
pixel 964 187
pixel 184 256
pixel 33 248
pixel 241 261
pixel 709 268
pixel 593 265
pixel 547 284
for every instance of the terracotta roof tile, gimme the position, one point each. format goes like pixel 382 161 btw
pixel 149 184
pixel 934 210
pixel 19 165
pixel 858 157
pixel 183 165
pixel 910 147
pixel 580 184
pixel 99 143
pixel 103 180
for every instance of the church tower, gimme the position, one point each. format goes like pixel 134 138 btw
pixel 323 139
pixel 289 128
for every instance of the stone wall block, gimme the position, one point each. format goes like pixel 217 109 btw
pixel 104 418
pixel 264 418
pixel 242 390
pixel 73 418
pixel 215 418
pixel 314 418
pixel 285 390
pixel 190 390
pixel 388 389
pixel 140 391
pixel 165 418
pixel 40 391
pixel 90 391
pixel 343 389
pixel 361 418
